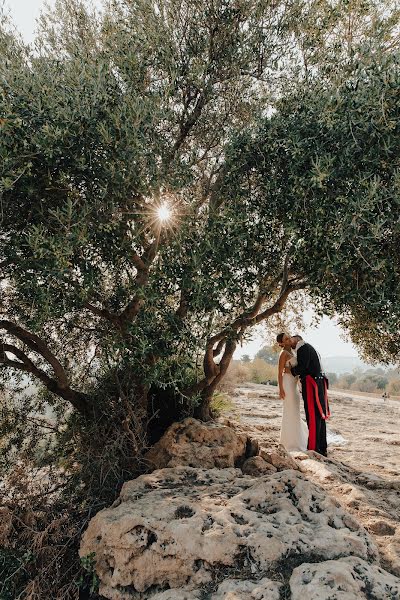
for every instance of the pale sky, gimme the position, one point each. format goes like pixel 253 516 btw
pixel 326 337
pixel 24 14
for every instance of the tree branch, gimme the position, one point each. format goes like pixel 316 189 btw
pixel 183 307
pixel 37 345
pixel 78 400
pixel 228 337
pixel 280 301
pixel 103 313
pixel 142 264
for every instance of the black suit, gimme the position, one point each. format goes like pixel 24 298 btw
pixel 308 363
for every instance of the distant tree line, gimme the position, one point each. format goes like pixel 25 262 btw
pixel 263 368
pixel 375 380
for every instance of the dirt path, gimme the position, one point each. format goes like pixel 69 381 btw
pixel 362 472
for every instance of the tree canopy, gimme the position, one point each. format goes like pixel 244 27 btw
pixel 171 173
pixel 328 162
pixel 271 143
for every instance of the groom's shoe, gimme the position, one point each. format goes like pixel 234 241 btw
pixel 322 453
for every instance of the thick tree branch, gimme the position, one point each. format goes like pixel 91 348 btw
pixel 37 345
pixel 183 307
pixel 78 400
pixel 142 264
pixel 188 125
pixel 219 348
pixel 280 301
pixel 228 337
pixel 151 251
pixel 138 262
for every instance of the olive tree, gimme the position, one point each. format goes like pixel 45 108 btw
pixel 126 248
pixel 328 163
pixel 171 173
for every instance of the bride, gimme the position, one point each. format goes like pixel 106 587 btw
pixel 294 431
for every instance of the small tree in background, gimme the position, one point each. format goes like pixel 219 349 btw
pixel 268 354
pixel 394 387
pixel 332 378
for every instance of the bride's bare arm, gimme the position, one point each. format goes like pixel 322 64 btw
pixel 281 368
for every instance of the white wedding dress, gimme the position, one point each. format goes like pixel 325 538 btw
pixel 294 431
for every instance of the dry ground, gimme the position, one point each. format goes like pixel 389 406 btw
pixel 363 472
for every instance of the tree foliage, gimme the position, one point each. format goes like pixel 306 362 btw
pixel 273 144
pixel 327 163
pixel 270 132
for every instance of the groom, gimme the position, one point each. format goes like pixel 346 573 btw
pixel 314 386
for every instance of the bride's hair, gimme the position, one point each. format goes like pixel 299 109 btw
pixel 279 337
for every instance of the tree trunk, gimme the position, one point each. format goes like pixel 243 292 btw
pixel 214 373
pixel 203 410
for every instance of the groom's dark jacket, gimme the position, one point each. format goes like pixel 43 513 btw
pixel 308 362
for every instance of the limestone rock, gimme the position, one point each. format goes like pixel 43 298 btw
pixel 230 589
pixel 252 447
pixel 348 578
pixel 318 469
pixel 279 458
pixel 381 527
pixel 256 466
pixel 196 444
pixel 234 589
pixel 177 595
pixel 178 528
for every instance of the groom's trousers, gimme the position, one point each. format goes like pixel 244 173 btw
pixel 314 392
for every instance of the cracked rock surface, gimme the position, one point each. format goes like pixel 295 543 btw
pixel 345 579
pixel 196 444
pixel 185 528
pixel 282 526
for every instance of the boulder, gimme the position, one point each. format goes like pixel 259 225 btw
pixel 196 444
pixel 230 589
pixel 320 470
pixel 182 528
pixel 279 458
pixel 349 578
pixel 234 589
pixel 257 466
pixel 381 527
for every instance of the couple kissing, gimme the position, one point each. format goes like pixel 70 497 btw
pixel 298 360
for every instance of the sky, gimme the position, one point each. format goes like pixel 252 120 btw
pixel 24 14
pixel 327 337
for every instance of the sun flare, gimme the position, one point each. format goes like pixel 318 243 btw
pixel 164 213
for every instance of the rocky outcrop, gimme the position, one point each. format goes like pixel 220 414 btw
pixel 279 458
pixel 257 466
pixel 183 529
pixel 348 579
pixel 197 527
pixel 230 589
pixel 196 444
pixel 378 510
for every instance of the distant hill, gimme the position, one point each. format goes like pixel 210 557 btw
pixel 343 364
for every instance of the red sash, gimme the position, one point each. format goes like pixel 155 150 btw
pixel 312 391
